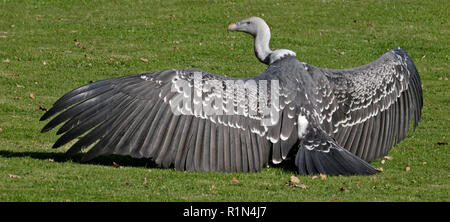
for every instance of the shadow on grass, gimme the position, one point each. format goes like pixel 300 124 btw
pixel 109 160
pixel 101 160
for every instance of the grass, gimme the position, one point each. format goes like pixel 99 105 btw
pixel 51 47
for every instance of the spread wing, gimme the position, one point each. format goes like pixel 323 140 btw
pixel 144 116
pixel 368 109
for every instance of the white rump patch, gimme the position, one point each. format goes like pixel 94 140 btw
pixel 302 125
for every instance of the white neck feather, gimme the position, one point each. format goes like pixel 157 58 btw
pixel 279 54
pixel 262 49
pixel 262 39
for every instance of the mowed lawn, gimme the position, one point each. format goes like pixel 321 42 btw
pixel 50 47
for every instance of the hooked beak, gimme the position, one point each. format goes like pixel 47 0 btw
pixel 232 27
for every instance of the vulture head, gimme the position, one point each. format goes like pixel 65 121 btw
pixel 260 31
pixel 254 26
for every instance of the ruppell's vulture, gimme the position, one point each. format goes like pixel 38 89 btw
pixel 329 121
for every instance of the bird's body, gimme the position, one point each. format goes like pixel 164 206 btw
pixel 328 121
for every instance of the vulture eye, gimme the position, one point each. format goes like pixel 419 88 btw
pixel 248 23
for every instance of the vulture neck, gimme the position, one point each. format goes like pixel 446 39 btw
pixel 262 39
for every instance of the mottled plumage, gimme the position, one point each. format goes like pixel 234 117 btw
pixel 328 121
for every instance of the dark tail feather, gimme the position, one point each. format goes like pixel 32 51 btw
pixel 318 153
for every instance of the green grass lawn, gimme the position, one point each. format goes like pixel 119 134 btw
pixel 50 47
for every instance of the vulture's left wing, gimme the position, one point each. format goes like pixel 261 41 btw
pixel 369 108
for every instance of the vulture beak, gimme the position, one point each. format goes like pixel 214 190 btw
pixel 232 27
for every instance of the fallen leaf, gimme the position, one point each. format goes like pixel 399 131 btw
pixel 323 176
pixel 3 36
pixel 45 63
pixel 74 31
pixel 446 78
pixel 422 163
pixel 423 57
pixel 342 189
pixel 358 183
pixel 212 187
pixel 295 182
pixel 7 60
pixel 383 161
pixel 145 180
pixel 292 185
pixel 115 165
pixel 51 160
pixel 234 180
pixel 342 53
pixel 41 108
pixel 1 130
pixel 149 170
pixel 314 177
pixel 407 169
pixel 78 44
pixel 19 86
pixel 18 97
pixel 442 143
pixel 13 176
pixel 32 96
pixel 379 169
pixel 303 186
pixel 110 60
pixel 144 59
pixel 294 179
pixel 388 157
pixel 126 183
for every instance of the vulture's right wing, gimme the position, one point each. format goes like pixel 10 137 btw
pixel 143 115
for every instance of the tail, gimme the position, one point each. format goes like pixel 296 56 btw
pixel 319 153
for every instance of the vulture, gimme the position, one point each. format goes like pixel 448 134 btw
pixel 323 121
